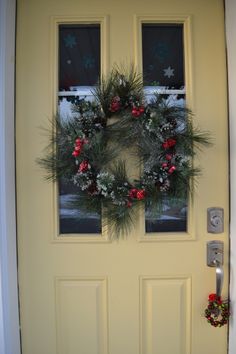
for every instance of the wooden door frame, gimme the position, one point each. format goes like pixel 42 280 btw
pixel 9 311
pixel 230 16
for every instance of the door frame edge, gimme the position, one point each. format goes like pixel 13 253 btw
pixel 9 305
pixel 230 30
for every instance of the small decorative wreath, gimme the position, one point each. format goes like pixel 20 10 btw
pixel 159 135
pixel 217 312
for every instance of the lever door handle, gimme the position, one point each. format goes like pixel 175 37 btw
pixel 215 258
pixel 219 278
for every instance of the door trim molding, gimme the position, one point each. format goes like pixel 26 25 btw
pixel 230 20
pixel 9 311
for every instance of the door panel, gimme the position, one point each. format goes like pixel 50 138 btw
pixel 145 294
pixel 75 299
pixel 156 334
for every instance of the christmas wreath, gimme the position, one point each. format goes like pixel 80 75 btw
pixel 86 150
pixel 217 312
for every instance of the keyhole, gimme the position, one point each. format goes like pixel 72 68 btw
pixel 215 221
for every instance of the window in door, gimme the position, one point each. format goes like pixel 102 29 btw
pixel 79 71
pixel 163 73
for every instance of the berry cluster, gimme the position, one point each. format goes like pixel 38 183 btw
pixel 135 193
pixel 170 169
pixel 137 111
pixel 115 105
pixel 167 165
pixel 169 143
pixel 84 166
pixel 79 143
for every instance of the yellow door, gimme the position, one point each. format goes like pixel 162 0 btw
pixel 80 293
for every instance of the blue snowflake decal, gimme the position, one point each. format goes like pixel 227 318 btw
pixel 161 51
pixel 70 41
pixel 169 72
pixel 89 62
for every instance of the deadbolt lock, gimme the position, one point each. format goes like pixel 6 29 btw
pixel 215 220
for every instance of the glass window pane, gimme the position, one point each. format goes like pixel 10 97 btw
pixel 172 218
pixel 72 220
pixel 79 71
pixel 163 60
pixel 163 67
pixel 79 55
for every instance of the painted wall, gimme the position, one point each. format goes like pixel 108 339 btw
pixel 231 50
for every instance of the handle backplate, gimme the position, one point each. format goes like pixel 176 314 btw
pixel 215 253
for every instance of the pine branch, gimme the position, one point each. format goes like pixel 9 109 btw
pixel 128 82
pixel 104 92
pixel 119 220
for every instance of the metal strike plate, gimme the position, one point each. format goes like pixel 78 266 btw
pixel 215 253
pixel 215 220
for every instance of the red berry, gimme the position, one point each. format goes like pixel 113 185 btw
pixel 133 193
pixel 75 153
pixel 141 194
pixel 78 141
pixel 172 169
pixel 84 166
pixel 169 143
pixel 141 109
pixel 115 104
pixel 129 204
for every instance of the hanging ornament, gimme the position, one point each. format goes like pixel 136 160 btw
pixel 217 312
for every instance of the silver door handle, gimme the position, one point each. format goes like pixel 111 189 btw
pixel 219 278
pixel 215 258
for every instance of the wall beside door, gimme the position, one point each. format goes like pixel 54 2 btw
pixel 230 7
